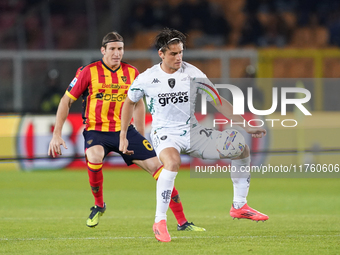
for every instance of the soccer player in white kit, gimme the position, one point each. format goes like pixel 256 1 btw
pixel 170 90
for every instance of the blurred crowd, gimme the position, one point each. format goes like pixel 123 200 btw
pixel 41 24
pixel 239 23
pixel 62 24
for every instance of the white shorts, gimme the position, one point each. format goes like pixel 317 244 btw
pixel 198 142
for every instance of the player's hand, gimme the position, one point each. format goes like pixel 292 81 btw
pixel 256 132
pixel 123 145
pixel 54 147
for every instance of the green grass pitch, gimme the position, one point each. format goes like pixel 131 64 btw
pixel 44 212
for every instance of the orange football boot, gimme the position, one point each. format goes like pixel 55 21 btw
pixel 247 212
pixel 161 231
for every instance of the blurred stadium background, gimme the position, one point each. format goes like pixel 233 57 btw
pixel 42 43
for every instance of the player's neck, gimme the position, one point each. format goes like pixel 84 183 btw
pixel 112 67
pixel 168 69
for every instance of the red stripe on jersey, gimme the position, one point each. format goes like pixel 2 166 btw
pixel 87 105
pixel 120 111
pixel 110 116
pixel 88 99
pixel 125 93
pixel 100 70
pixel 114 77
pixel 98 115
pixel 113 123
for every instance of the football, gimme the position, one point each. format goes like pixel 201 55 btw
pixel 230 143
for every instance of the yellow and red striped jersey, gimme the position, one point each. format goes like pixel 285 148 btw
pixel 104 91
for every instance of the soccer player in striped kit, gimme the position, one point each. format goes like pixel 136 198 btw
pixel 103 85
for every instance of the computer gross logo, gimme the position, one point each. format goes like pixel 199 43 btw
pixel 173 97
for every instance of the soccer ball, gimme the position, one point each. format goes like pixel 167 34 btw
pixel 230 143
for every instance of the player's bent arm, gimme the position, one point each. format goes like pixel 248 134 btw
pixel 226 109
pixel 126 116
pixel 139 117
pixel 62 113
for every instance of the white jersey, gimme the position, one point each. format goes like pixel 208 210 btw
pixel 171 97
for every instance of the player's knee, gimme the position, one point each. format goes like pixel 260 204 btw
pixel 171 159
pixel 151 165
pixel 95 159
pixel 172 166
pixel 246 152
pixel 172 163
pixel 95 154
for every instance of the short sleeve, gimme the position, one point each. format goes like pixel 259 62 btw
pixel 206 87
pixel 79 83
pixel 136 91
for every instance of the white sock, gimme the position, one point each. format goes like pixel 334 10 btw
pixel 241 181
pixel 165 185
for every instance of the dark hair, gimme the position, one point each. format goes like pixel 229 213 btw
pixel 112 37
pixel 167 37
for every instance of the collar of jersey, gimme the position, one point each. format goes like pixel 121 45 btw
pixel 109 67
pixel 159 66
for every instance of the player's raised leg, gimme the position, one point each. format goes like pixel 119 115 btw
pixel 241 182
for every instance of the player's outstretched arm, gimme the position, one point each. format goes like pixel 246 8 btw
pixel 126 116
pixel 62 113
pixel 226 109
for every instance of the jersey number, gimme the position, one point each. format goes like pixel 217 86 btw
pixel 147 145
pixel 206 131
